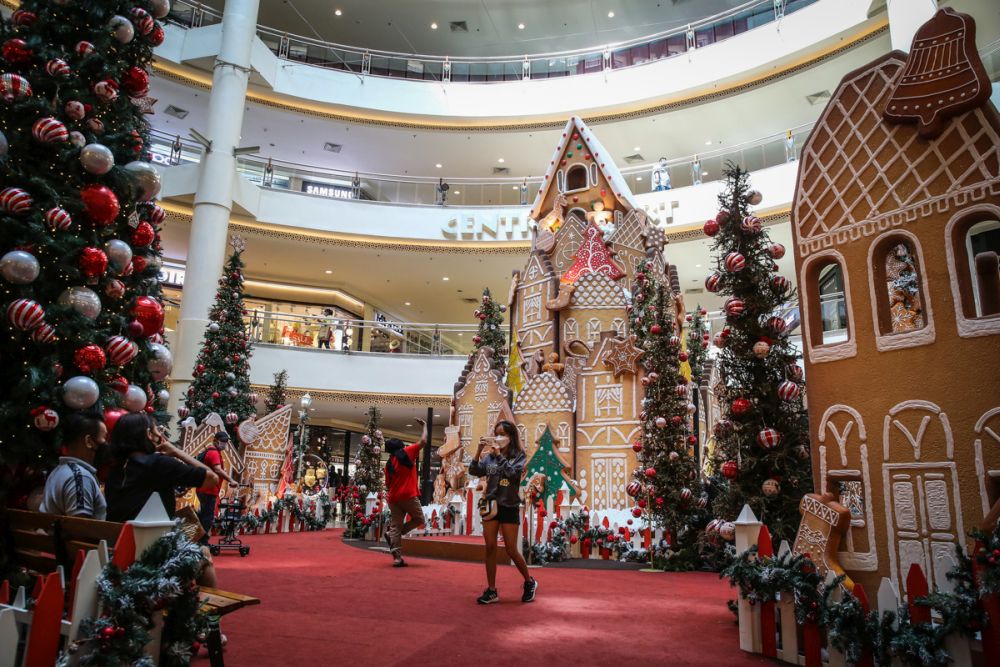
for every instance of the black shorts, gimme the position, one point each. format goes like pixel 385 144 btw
pixel 509 515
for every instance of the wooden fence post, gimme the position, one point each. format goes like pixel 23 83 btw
pixel 769 643
pixel 786 609
pixel 747 531
pixel 42 648
pixel 867 660
pixel 834 657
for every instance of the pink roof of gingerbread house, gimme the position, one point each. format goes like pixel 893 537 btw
pixel 601 157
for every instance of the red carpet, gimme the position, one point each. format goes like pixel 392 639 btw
pixel 323 602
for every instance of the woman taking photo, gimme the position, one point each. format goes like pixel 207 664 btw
pixel 500 461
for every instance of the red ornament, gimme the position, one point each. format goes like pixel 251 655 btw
pixel 83 49
pixel 477 339
pixel 735 262
pixel 121 350
pixel 788 391
pixel 776 324
pixel 135 329
pixel 23 17
pixel 676 420
pixel 49 131
pixel 58 219
pixel 650 473
pixel 733 306
pixel 143 235
pixel 100 203
pixel 156 36
pixel 768 438
pixel 25 314
pixel 14 87
pixel 751 225
pixel 149 313
pixel 682 357
pixel 106 90
pixel 16 52
pixel 57 68
pixel 45 418
pixel 573 539
pixel 15 201
pixel 115 288
pixel 119 384
pixel 781 284
pixel 722 217
pixel 215 394
pixel 633 489
pixel 636 512
pixel 139 263
pixel 135 81
pixel 90 358
pixel 655 329
pixel 44 334
pixel 740 407
pixel 711 228
pixel 712 282
pixel 93 262
pixel 730 469
pixel 143 22
pixel 636 446
pixel 156 214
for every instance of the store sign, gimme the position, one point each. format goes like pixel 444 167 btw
pixel 487 227
pixel 385 323
pixel 327 190
pixel 172 275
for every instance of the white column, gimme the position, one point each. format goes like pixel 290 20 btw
pixel 213 199
pixel 905 17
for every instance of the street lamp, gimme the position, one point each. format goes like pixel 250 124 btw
pixel 304 403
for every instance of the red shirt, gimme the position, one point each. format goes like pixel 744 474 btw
pixel 402 483
pixel 212 458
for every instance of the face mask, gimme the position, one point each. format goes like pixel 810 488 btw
pixel 102 454
pixel 503 440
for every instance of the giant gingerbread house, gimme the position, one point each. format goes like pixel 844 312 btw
pixel 897 207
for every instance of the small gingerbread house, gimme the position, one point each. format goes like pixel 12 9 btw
pixel 480 398
pixel 542 402
pixel 896 223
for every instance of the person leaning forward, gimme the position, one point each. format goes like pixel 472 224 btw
pixel 404 495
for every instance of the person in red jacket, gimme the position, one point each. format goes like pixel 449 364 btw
pixel 403 494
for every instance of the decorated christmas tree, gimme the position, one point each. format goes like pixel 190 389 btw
pixel 697 344
pixel 546 461
pixel 277 393
pixel 491 330
pixel 761 454
pixel 222 371
pixel 667 487
pixel 79 241
pixel 368 466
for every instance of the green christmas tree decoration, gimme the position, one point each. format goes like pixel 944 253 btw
pixel 79 232
pixel 667 485
pixel 546 461
pixel 761 455
pixel 222 371
pixel 277 393
pixel 698 338
pixel 491 330
pixel 368 470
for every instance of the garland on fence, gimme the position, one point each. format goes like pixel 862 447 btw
pixel 162 579
pixel 887 636
pixel 357 522
pixel 252 522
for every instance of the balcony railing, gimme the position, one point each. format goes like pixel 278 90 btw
pixel 631 53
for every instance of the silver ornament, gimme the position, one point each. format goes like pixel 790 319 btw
pixel 122 29
pixel 4 146
pixel 119 254
pixel 161 362
pixel 80 392
pixel 97 159
pixel 754 197
pixel 232 392
pixel 135 398
pixel 19 267
pixel 77 139
pixel 83 300
pixel 160 8
pixel 163 396
pixel 231 376
pixel 213 327
pixel 145 178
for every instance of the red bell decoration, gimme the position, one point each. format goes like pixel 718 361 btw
pixel 735 262
pixel 111 417
pixel 768 438
pixel 740 407
pixel 100 203
pixel 730 469
pixel 90 358
pixel 143 235
pixel 16 51
pixel 788 391
pixel 711 228
pixel 712 282
pixel 93 262
pixel 135 81
pixel 149 313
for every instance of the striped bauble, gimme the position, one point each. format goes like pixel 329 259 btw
pixel 121 350
pixel 58 219
pixel 49 131
pixel 15 200
pixel 25 314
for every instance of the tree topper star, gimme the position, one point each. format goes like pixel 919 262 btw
pixel 622 355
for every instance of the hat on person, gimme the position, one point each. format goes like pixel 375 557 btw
pixel 393 345
pixel 223 436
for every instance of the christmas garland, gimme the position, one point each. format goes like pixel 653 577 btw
pixel 357 522
pixel 252 522
pixel 886 636
pixel 162 579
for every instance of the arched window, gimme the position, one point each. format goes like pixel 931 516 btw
pixel 826 307
pixel 576 178
pixel 972 240
pixel 593 173
pixel 570 329
pixel 901 306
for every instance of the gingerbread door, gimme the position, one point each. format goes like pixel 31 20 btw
pixel 608 477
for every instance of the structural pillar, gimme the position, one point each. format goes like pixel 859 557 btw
pixel 213 200
pixel 905 17
pixel 427 482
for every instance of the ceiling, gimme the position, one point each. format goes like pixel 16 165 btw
pixel 491 25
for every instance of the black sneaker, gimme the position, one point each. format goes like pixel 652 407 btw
pixel 529 590
pixel 399 563
pixel 489 596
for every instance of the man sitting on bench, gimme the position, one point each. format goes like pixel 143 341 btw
pixel 71 489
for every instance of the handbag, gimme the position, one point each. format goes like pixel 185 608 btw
pixel 488 509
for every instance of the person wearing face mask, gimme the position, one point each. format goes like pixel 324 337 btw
pixel 71 489
pixel 145 463
pixel 501 461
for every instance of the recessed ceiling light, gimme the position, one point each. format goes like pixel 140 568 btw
pixel 500 160
pixel 458 192
pixel 638 178
pixel 434 26
pixel 513 187
pixel 446 278
pixel 337 12
pixel 438 165
pixel 408 303
pixel 328 272
pixel 520 26
pixel 636 149
pixel 460 333
pixel 708 142
pixel 704 173
pixel 697 266
pixel 409 425
pixel 611 15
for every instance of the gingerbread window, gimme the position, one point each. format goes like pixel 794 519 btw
pixel 826 307
pixel 972 241
pixel 570 329
pixel 576 178
pixel 901 306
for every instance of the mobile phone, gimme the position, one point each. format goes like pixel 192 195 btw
pixel 490 440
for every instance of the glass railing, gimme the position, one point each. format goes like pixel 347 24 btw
pixel 372 62
pixel 414 190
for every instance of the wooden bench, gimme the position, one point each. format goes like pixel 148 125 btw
pixel 44 542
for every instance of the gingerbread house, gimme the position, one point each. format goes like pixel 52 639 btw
pixel 480 398
pixel 896 224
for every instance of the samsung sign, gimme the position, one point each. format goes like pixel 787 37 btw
pixel 327 190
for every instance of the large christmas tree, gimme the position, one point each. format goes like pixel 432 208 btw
pixel 78 227
pixel 761 454
pixel 368 466
pixel 667 487
pixel 222 372
pixel 491 331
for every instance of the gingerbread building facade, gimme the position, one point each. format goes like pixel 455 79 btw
pixel 895 221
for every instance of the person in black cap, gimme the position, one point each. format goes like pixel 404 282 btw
pixel 403 492
pixel 208 496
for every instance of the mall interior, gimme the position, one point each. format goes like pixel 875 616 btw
pixel 377 165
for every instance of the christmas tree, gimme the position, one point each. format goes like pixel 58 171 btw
pixel 277 393
pixel 697 344
pixel 761 454
pixel 78 229
pixel 546 461
pixel 222 372
pixel 491 331
pixel 368 466
pixel 667 487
